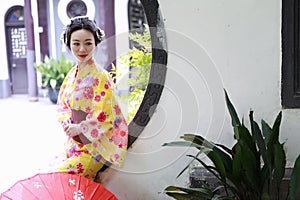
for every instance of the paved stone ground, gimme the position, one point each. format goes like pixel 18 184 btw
pixel 30 137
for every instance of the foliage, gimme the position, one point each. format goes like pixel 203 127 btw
pixel 295 180
pixel 54 71
pixel 138 60
pixel 252 169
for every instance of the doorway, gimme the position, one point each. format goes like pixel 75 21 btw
pixel 16 41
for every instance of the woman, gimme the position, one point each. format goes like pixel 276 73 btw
pixel 87 109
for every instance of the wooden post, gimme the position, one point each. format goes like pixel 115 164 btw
pixel 42 15
pixel 31 72
pixel 107 23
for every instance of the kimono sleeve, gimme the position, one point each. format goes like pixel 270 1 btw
pixel 62 107
pixel 105 126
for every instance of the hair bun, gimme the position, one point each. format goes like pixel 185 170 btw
pixel 81 22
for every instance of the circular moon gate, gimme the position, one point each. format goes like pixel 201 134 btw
pixel 157 71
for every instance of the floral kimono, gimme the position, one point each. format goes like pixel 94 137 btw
pixel 89 92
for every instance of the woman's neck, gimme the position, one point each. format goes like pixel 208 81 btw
pixel 81 64
pixel 85 63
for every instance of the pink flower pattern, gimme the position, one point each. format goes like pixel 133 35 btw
pixel 88 109
pixel 96 82
pixel 101 117
pixel 92 92
pixel 94 133
pixel 78 81
pixel 84 128
pixel 119 138
pixel 117 109
pixel 88 92
pixel 93 123
pixel 97 98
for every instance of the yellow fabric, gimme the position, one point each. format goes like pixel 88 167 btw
pixel 91 90
pixel 79 161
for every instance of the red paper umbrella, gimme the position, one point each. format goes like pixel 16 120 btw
pixel 57 186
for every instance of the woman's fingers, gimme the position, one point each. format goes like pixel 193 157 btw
pixel 72 130
pixel 66 125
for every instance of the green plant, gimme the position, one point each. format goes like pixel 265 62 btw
pixel 252 169
pixel 53 71
pixel 295 181
pixel 138 60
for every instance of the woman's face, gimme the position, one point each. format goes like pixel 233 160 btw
pixel 82 45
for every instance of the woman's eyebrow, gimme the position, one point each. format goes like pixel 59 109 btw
pixel 77 40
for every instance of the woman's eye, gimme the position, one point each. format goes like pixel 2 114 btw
pixel 75 44
pixel 89 43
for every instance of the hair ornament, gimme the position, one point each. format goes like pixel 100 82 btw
pixel 100 34
pixel 82 22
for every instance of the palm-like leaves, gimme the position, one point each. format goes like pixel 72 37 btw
pixel 54 71
pixel 252 169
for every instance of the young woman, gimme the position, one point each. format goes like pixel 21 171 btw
pixel 87 109
pixel 91 118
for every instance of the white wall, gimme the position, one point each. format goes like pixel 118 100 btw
pixel 212 45
pixel 4 7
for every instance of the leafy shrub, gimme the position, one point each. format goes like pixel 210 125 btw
pixel 252 169
pixel 53 71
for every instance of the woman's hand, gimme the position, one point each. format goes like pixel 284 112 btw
pixel 65 124
pixel 73 130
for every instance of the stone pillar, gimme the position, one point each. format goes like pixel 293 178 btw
pixel 31 72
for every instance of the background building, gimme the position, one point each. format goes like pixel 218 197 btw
pixel 48 20
pixel 212 45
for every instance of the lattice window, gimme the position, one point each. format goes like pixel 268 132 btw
pixel 136 15
pixel 136 19
pixel 18 42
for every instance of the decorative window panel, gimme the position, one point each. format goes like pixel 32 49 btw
pixel 18 42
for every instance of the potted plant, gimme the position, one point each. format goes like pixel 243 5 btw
pixel 252 169
pixel 53 73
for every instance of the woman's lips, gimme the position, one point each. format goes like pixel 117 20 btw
pixel 82 56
